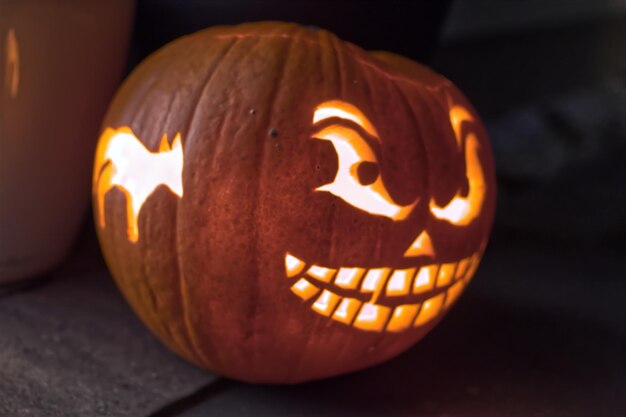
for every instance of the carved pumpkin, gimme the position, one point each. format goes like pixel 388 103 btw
pixel 278 205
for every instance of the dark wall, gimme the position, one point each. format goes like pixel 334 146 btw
pixel 408 27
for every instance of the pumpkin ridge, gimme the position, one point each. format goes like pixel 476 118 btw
pixel 339 64
pixel 443 107
pixel 211 73
pixel 183 343
pixel 184 299
pixel 340 82
pixel 193 337
pixel 444 82
pixel 304 348
pixel 419 140
pixel 153 303
pixel 354 50
pixel 260 164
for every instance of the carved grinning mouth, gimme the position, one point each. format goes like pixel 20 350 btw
pixel 350 295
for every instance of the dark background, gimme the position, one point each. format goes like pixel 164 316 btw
pixel 540 332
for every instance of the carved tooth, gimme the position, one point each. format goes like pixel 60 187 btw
pixel 461 268
pixel 374 281
pixel 472 267
pixel 400 282
pixel 372 317
pixel 321 273
pixel 326 302
pixel 453 293
pixel 304 289
pixel 293 265
pixel 349 278
pixel 347 309
pixel 425 279
pixel 402 317
pixel 446 274
pixel 430 309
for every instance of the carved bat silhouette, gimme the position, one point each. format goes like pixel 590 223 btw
pixel 122 161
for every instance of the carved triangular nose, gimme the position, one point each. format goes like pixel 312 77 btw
pixel 422 246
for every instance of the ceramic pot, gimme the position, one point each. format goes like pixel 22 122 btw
pixel 60 62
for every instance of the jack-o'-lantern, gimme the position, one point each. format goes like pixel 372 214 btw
pixel 278 205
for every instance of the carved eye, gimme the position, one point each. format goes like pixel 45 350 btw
pixel 460 211
pixel 358 181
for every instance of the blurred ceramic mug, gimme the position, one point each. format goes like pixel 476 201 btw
pixel 60 62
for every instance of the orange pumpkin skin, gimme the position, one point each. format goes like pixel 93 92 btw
pixel 206 270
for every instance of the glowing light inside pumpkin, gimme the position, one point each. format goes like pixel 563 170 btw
pixel 326 303
pixel 462 210
pixel 293 265
pixel 352 150
pixel 458 115
pixel 321 273
pixel 343 110
pixel 349 277
pixel 425 280
pixel 347 310
pixel 122 161
pixel 421 246
pixel 370 315
pixel 400 282
pixel 430 309
pixel 304 289
pixel 403 317
pixel 431 289
pixel 374 281
pixel 446 274
pixel 453 293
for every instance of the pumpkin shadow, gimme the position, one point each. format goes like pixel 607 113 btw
pixel 481 359
pixel 499 352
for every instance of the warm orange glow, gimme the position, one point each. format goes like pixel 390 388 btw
pixel 122 161
pixel 471 270
pixel 422 246
pixel 352 150
pixel 12 64
pixel 446 274
pixel 462 210
pixel 430 309
pixel 453 293
pixel 343 110
pixel 349 277
pixel 346 310
pixel 458 115
pixel 372 317
pixel 304 289
pixel 425 279
pixel 293 265
pixel 326 303
pixel 321 273
pixel 374 281
pixel 443 283
pixel 400 282
pixel 461 268
pixel 402 317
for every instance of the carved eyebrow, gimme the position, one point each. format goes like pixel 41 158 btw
pixel 461 211
pixel 343 110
